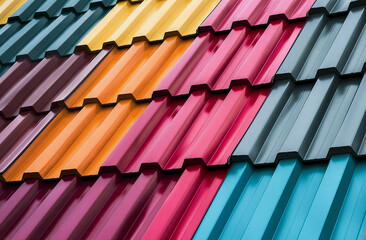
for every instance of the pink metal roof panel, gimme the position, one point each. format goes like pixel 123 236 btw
pixel 16 134
pixel 243 56
pixel 39 85
pixel 171 133
pixel 150 206
pixel 231 13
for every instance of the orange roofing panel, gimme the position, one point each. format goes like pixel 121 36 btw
pixel 7 8
pixel 152 20
pixel 76 142
pixel 129 73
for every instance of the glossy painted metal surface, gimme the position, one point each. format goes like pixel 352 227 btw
pixel 8 7
pixel 152 20
pixel 335 7
pixel 231 13
pixel 40 85
pixel 203 129
pixel 53 9
pixel 328 45
pixel 43 35
pixel 150 206
pixel 76 142
pixel 243 56
pixel 129 73
pixel 308 121
pixel 291 201
pixel 18 133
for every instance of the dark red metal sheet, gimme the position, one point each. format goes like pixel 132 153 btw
pixel 203 129
pixel 39 85
pixel 243 56
pixel 151 206
pixel 231 13
pixel 16 134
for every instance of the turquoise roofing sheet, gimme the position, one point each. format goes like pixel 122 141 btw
pixel 291 201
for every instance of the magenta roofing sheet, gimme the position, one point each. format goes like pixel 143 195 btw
pixel 243 56
pixel 39 85
pixel 172 133
pixel 16 134
pixel 150 206
pixel 231 13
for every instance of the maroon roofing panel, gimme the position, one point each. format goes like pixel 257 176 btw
pixel 243 56
pixel 36 85
pixel 16 134
pixel 231 13
pixel 152 205
pixel 203 129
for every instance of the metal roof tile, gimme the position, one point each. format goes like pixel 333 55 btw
pixel 309 121
pixel 231 13
pixel 53 9
pixel 152 205
pixel 76 142
pixel 18 133
pixel 335 7
pixel 39 85
pixel 328 45
pixel 42 35
pixel 152 20
pixel 243 56
pixel 129 73
pixel 202 129
pixel 7 8
pixel 291 201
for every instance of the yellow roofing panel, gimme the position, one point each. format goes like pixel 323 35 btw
pixel 151 20
pixel 76 142
pixel 7 8
pixel 129 73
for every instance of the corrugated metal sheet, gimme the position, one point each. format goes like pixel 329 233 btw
pixel 16 134
pixel 39 85
pixel 335 7
pixel 129 73
pixel 327 45
pixel 76 142
pixel 43 35
pixel 53 9
pixel 243 56
pixel 231 13
pixel 8 7
pixel 292 201
pixel 152 20
pixel 150 206
pixel 308 121
pixel 203 129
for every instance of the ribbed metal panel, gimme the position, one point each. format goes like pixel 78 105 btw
pixel 76 142
pixel 203 129
pixel 328 45
pixel 39 85
pixel 218 62
pixel 231 13
pixel 335 7
pixel 131 73
pixel 152 20
pixel 52 9
pixel 309 121
pixel 291 201
pixel 7 8
pixel 150 206
pixel 43 35
pixel 18 133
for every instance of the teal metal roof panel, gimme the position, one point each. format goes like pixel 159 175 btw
pixel 291 201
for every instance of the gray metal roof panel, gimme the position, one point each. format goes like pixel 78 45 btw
pixel 308 121
pixel 333 7
pixel 328 45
